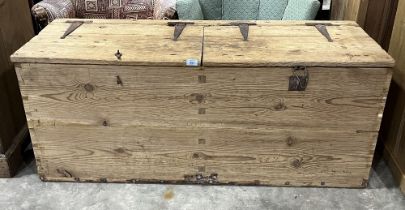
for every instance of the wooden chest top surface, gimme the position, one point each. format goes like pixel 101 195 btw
pixel 210 43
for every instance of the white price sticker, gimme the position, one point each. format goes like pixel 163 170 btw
pixel 192 62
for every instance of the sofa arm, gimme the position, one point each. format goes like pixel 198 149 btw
pixel 164 9
pixel 48 10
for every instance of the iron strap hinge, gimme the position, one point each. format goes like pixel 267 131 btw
pixel 178 28
pixel 73 26
pixel 321 27
pixel 299 80
pixel 244 28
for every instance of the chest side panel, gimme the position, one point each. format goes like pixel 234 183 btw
pixel 224 97
pixel 168 123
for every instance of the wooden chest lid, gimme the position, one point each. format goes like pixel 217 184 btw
pixel 207 43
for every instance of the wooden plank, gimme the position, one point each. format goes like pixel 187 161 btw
pixel 397 46
pixel 134 41
pixel 15 23
pixel 380 20
pixel 288 46
pixel 7 126
pixel 4 169
pixel 333 158
pixel 394 141
pixel 138 46
pixel 15 30
pixel 355 10
pixel 11 161
pixel 174 97
pixel 396 168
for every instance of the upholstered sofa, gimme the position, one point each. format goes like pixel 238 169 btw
pixel 247 9
pixel 48 10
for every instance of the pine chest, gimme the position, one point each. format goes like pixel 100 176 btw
pixel 250 103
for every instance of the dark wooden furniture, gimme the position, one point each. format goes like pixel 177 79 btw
pixel 380 20
pixel 15 30
pixel 393 133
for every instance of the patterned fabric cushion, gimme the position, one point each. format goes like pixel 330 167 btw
pixel 272 9
pixel 240 9
pixel 212 9
pixel 189 10
pixel 164 9
pixel 301 9
pixel 114 9
pixel 55 9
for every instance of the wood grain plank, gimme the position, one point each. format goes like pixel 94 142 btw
pixel 4 169
pixel 394 141
pixel 355 10
pixel 139 47
pixel 243 98
pixel 135 43
pixel 15 29
pixel 12 159
pixel 171 153
pixel 271 46
pixel 397 45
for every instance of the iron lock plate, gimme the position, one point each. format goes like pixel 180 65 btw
pixel 299 80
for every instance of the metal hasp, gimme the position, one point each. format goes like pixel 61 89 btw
pixel 321 27
pixel 73 26
pixel 178 28
pixel 244 29
pixel 299 80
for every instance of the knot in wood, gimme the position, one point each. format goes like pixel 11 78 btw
pixel 89 87
pixel 196 155
pixel 291 141
pixel 280 106
pixel 119 81
pixel 197 98
pixel 297 163
pixel 200 155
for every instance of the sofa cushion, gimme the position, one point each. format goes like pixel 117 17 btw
pixel 240 9
pixel 272 9
pixel 189 10
pixel 212 9
pixel 164 9
pixel 301 9
pixel 117 9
